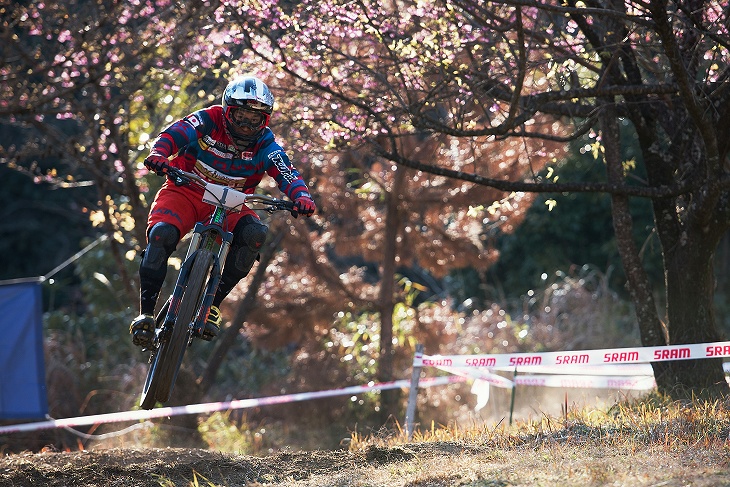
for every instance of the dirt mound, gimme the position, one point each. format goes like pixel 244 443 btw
pixel 178 467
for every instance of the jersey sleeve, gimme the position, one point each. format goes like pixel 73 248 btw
pixel 183 132
pixel 288 179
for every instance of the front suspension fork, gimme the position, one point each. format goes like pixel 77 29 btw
pixel 210 289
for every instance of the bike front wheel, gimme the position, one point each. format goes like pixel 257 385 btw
pixel 168 358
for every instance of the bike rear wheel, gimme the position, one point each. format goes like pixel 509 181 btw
pixel 168 358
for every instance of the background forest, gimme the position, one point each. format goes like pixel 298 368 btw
pixel 375 105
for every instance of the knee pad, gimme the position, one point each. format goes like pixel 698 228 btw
pixel 163 239
pixel 249 232
pixel 248 237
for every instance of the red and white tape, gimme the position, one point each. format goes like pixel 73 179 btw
pixel 138 415
pixel 609 369
pixel 480 374
pixel 580 381
pixel 635 383
pixel 584 357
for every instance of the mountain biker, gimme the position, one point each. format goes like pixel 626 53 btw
pixel 229 144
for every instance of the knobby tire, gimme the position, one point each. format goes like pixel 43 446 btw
pixel 169 356
pixel 189 306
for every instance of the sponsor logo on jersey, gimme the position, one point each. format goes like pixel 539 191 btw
pixel 218 177
pixel 208 143
pixel 277 158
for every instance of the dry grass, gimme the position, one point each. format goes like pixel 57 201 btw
pixel 651 442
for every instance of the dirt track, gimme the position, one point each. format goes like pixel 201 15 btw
pixel 179 467
pixel 442 464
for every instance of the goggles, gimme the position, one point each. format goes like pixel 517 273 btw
pixel 244 118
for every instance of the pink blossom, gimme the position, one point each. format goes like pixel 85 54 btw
pixel 64 36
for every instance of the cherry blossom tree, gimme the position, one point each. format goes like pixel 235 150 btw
pixel 541 71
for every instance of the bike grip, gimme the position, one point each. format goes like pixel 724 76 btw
pixel 164 171
pixel 168 170
pixel 287 206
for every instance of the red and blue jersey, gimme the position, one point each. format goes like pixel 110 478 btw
pixel 203 146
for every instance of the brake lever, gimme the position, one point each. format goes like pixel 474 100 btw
pixel 278 206
pixel 180 180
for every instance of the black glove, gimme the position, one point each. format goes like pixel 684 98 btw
pixel 156 163
pixel 304 205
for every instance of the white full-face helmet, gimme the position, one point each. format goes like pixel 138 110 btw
pixel 247 106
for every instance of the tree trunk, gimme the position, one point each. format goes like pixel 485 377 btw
pixel 651 329
pixel 386 303
pixel 690 225
pixel 688 244
pixel 652 332
pixel 690 312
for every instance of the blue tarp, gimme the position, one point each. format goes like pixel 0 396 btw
pixel 22 368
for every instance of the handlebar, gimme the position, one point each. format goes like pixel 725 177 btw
pixel 224 196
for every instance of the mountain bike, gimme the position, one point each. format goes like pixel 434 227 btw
pixel 182 318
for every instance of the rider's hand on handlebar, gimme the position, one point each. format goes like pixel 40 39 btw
pixel 304 205
pixel 156 163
